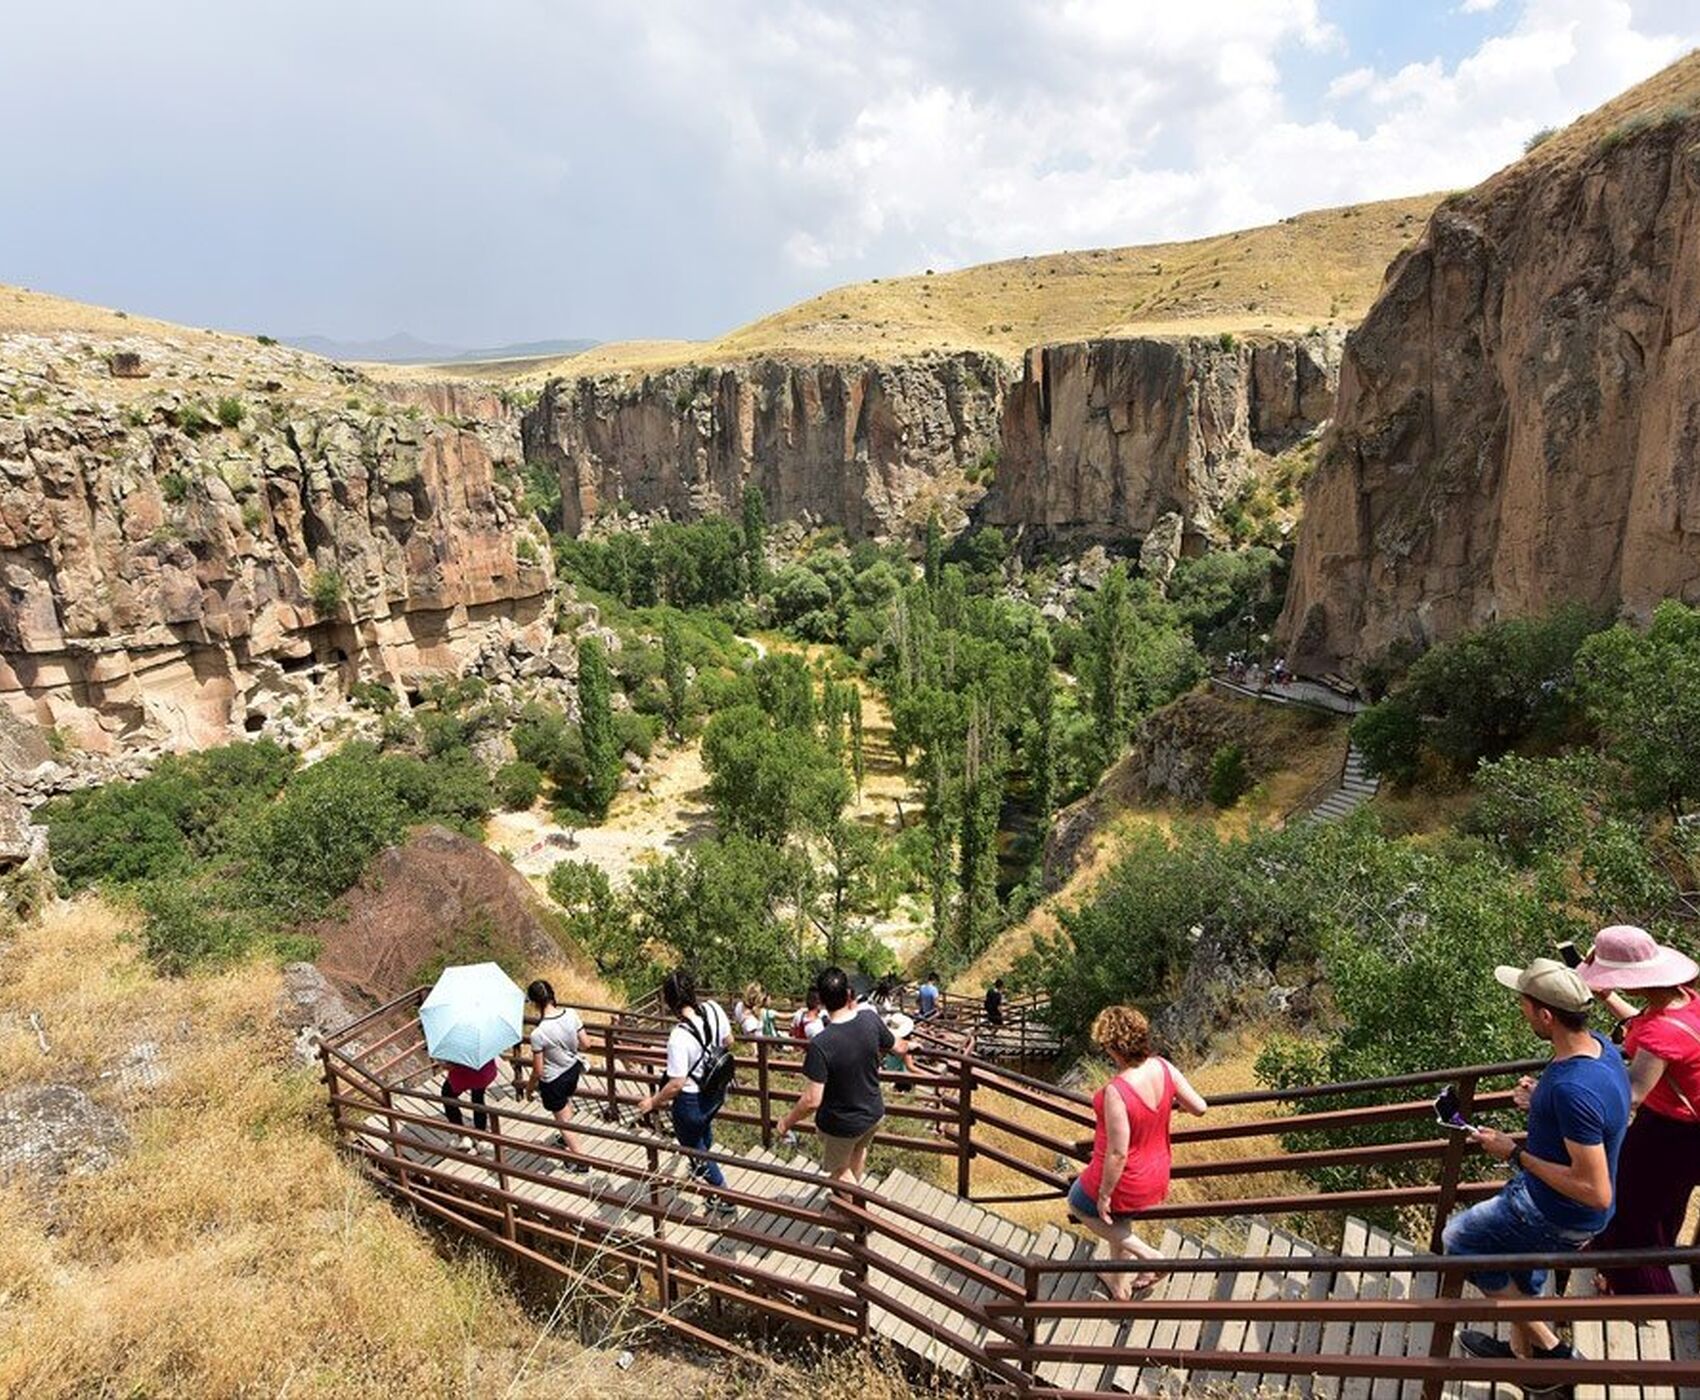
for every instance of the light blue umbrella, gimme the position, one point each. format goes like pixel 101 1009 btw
pixel 473 1014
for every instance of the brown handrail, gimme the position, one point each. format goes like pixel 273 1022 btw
pixel 991 1318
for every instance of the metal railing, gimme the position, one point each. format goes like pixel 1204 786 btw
pixel 992 1129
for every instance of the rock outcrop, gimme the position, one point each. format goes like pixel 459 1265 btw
pixel 869 447
pixel 1108 438
pixel 231 532
pixel 1518 422
pixel 1103 438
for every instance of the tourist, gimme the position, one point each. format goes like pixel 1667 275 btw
pixel 1129 1170
pixel 927 998
pixel 556 1063
pixel 841 1067
pixel 994 1003
pixel 1562 1193
pixel 462 1079
pixel 697 1049
pixel 754 1014
pixel 1660 1164
pixel 810 1018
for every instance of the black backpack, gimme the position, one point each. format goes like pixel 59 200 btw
pixel 715 1067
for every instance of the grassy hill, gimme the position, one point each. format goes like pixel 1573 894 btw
pixel 1315 269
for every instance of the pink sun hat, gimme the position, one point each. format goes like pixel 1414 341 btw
pixel 1626 956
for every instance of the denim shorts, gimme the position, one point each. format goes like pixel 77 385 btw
pixel 1509 1223
pixel 1080 1203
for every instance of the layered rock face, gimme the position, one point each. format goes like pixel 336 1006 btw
pixel 1519 414
pixel 867 447
pixel 218 545
pixel 1110 437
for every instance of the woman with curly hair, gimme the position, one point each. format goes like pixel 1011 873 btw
pixel 1129 1170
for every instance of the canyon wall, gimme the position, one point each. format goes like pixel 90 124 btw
pixel 1106 437
pixel 209 536
pixel 869 447
pixel 1518 422
pixel 1097 439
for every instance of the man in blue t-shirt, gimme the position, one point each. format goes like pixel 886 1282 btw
pixel 927 999
pixel 1564 1189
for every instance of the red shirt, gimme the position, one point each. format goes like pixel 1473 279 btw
pixel 462 1080
pixel 1145 1180
pixel 1674 1036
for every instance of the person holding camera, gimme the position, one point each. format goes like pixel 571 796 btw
pixel 1563 1191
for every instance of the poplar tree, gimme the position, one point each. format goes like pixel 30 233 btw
pixel 755 537
pixel 673 674
pixel 934 563
pixel 596 725
pixel 1041 755
pixel 858 768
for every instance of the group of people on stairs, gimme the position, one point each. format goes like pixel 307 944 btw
pixel 1609 1161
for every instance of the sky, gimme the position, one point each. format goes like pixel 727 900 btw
pixel 479 174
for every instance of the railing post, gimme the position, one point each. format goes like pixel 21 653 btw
pixel 330 1077
pixel 1449 1285
pixel 663 1266
pixel 501 1166
pixel 1029 1330
pixel 764 1093
pixel 964 1123
pixel 612 1109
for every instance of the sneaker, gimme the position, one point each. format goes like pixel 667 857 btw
pixel 1483 1345
pixel 465 1144
pixel 1562 1391
pixel 576 1168
pixel 722 1211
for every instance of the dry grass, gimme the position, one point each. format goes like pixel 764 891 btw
pixel 230 1251
pixel 1317 269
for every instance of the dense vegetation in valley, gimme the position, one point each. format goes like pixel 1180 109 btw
pixel 1567 749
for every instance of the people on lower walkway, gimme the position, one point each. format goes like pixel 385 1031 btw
pixel 1563 1191
pixel 462 1079
pixel 557 1062
pixel 927 998
pixel 756 1014
pixel 841 1068
pixel 695 1047
pixel 994 1003
pixel 1129 1170
pixel 1660 1164
pixel 810 1018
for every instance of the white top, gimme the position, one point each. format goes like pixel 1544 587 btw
pixel 556 1038
pixel 813 1028
pixel 684 1048
pixel 751 1023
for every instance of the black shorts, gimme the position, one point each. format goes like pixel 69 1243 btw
pixel 555 1092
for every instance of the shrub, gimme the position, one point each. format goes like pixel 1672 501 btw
pixel 1538 138
pixel 636 732
pixel 518 785
pixel 252 517
pixel 1226 340
pixel 1527 806
pixel 1390 733
pixel 1230 776
pixel 266 339
pixel 231 412
pixel 190 418
pixel 374 695
pixel 325 592
pixel 174 486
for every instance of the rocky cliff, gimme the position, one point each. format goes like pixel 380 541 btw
pixel 1100 438
pixel 866 446
pixel 201 535
pixel 1108 437
pixel 1519 419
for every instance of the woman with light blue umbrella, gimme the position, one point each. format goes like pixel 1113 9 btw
pixel 472 1015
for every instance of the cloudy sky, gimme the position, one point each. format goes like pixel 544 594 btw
pixel 524 169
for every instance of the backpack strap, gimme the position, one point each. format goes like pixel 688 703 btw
pixel 697 1033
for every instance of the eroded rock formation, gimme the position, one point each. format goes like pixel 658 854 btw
pixel 1519 414
pixel 198 551
pixel 869 447
pixel 1111 437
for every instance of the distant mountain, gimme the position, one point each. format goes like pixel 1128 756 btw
pixel 404 349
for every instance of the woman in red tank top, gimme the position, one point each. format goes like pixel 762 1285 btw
pixel 1129 1170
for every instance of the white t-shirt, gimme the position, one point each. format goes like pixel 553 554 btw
pixel 684 1047
pixel 813 1028
pixel 557 1038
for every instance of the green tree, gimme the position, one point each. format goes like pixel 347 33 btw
pixel 858 762
pixel 755 538
pixel 978 911
pixel 933 560
pixel 769 783
pixel 596 724
pixel 602 923
pixel 1108 660
pixel 1230 776
pixel 1643 690
pixel 673 674
pixel 1041 746
pixel 518 785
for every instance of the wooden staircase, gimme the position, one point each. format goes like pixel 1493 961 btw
pixel 908 1272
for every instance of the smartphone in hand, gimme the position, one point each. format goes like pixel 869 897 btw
pixel 1446 1111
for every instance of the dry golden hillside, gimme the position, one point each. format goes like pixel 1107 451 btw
pixel 1316 269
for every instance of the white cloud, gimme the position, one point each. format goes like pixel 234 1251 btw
pixel 1477 7
pixel 677 168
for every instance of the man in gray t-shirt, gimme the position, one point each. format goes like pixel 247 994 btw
pixel 842 1066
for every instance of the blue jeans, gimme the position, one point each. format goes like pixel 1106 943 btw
pixel 693 1125
pixel 1509 1223
pixel 1080 1203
